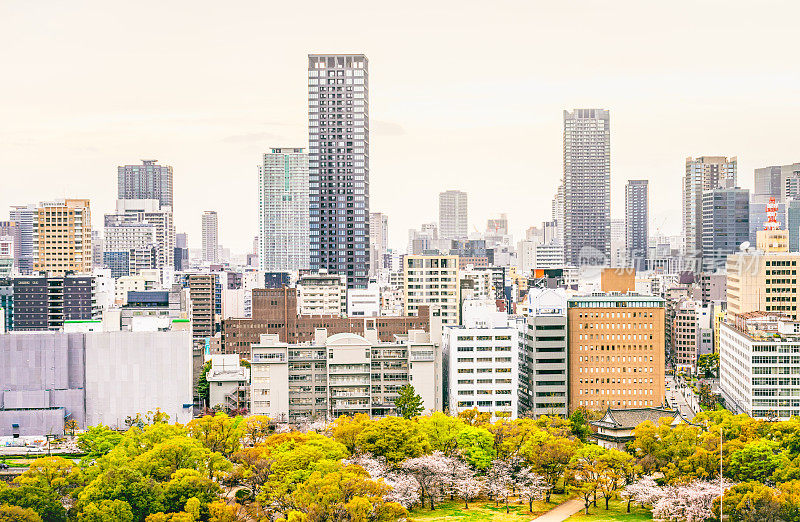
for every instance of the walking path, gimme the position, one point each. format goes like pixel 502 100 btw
pixel 561 512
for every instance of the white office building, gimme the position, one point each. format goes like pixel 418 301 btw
pixel 364 302
pixel 483 361
pixel 759 356
pixel 210 229
pixel 322 294
pixel 283 200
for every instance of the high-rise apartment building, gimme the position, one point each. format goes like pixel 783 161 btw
pixel 338 167
pixel 703 173
pixel 378 239
pixel 432 281
pixel 151 212
pixel 44 303
pixel 726 224
pixel 145 181
pixel 210 231
pixel 12 231
pixel 23 215
pixel 587 186
pixel 62 237
pixel 322 294
pixel 636 219
pixel 283 240
pixel 453 215
pixel 616 351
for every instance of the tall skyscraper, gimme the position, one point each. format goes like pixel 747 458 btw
pixel 145 181
pixel 587 185
pixel 62 237
pixel 210 236
pixel 636 220
pixel 453 215
pixel 283 211
pixel 338 167
pixel 23 215
pixel 378 239
pixel 703 173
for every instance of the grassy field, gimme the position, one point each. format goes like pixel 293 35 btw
pixel 616 513
pixel 486 511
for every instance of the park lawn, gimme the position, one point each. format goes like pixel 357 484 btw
pixel 616 513
pixel 484 510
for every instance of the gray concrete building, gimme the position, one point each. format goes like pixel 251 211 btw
pixel 48 378
pixel 210 230
pixel 146 181
pixel 23 216
pixel 543 361
pixel 703 173
pixel 453 215
pixel 726 225
pixel 587 186
pixel 637 219
pixel 781 182
pixel 338 137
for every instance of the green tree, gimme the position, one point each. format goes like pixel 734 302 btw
pixel 18 514
pixel 143 494
pixel 580 426
pixel 586 468
pixel 98 440
pixel 188 484
pixel 550 458
pixel 40 500
pixel 203 388
pixel 708 364
pixel 218 432
pixel 408 403
pixel 394 438
pixel 346 429
pixel 105 510
pixel 757 460
pixel 56 474
pixel 750 502
pixel 442 431
pixel 476 446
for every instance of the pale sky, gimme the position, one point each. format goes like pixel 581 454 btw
pixel 463 95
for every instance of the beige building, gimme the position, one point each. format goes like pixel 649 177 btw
pixel 62 237
pixel 432 281
pixel 616 351
pixel 762 282
pixel 322 294
pixel 772 240
pixel 342 374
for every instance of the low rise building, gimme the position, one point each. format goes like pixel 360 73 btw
pixel 616 428
pixel 342 374
pixel 228 383
pixel 322 294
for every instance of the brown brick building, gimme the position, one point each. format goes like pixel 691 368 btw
pixel 275 311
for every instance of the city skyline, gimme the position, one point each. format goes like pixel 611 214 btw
pixel 420 135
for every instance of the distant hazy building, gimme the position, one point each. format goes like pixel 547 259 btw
pixel 793 224
pixel 22 216
pixel 145 181
pixel 781 182
pixel 149 211
pixel 283 210
pixel 13 232
pixel 703 173
pixel 378 239
pixel 181 252
pixel 453 215
pixel 62 237
pixel 726 224
pixel 210 231
pixel 587 186
pixel 636 218
pixel 338 140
